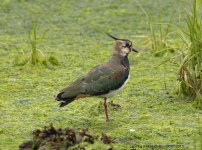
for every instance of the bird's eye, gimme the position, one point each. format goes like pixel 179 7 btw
pixel 127 45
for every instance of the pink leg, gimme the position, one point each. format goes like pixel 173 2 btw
pixel 105 104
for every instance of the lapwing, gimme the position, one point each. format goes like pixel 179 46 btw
pixel 105 80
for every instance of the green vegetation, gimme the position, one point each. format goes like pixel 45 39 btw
pixel 188 49
pixel 157 38
pixel 191 55
pixel 150 105
pixel 36 56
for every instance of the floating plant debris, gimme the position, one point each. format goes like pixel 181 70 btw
pixel 51 138
pixel 117 107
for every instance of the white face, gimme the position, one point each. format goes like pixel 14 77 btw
pixel 123 47
pixel 126 47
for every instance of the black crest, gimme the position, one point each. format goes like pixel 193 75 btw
pixel 112 36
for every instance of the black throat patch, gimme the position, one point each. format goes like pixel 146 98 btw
pixel 125 62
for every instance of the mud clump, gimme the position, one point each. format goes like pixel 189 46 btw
pixel 116 107
pixel 51 138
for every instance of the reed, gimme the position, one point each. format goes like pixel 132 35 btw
pixel 189 50
pixel 158 35
pixel 191 55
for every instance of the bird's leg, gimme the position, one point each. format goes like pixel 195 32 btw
pixel 105 104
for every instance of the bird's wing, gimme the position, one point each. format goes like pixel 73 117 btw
pixel 104 79
pixel 100 80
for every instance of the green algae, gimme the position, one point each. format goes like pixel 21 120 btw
pixel 155 112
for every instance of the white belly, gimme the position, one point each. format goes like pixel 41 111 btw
pixel 114 92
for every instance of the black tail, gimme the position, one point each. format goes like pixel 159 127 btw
pixel 66 101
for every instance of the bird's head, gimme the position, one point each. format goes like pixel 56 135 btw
pixel 122 46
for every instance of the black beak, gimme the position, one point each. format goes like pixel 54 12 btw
pixel 134 50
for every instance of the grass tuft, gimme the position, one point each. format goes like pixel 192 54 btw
pixel 20 59
pixel 53 60
pixel 36 56
pixel 157 39
pixel 191 56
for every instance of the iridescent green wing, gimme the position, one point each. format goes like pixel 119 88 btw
pixel 103 79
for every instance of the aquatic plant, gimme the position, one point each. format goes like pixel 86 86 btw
pixel 189 50
pixel 36 56
pixel 58 138
pixel 158 36
pixel 190 54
